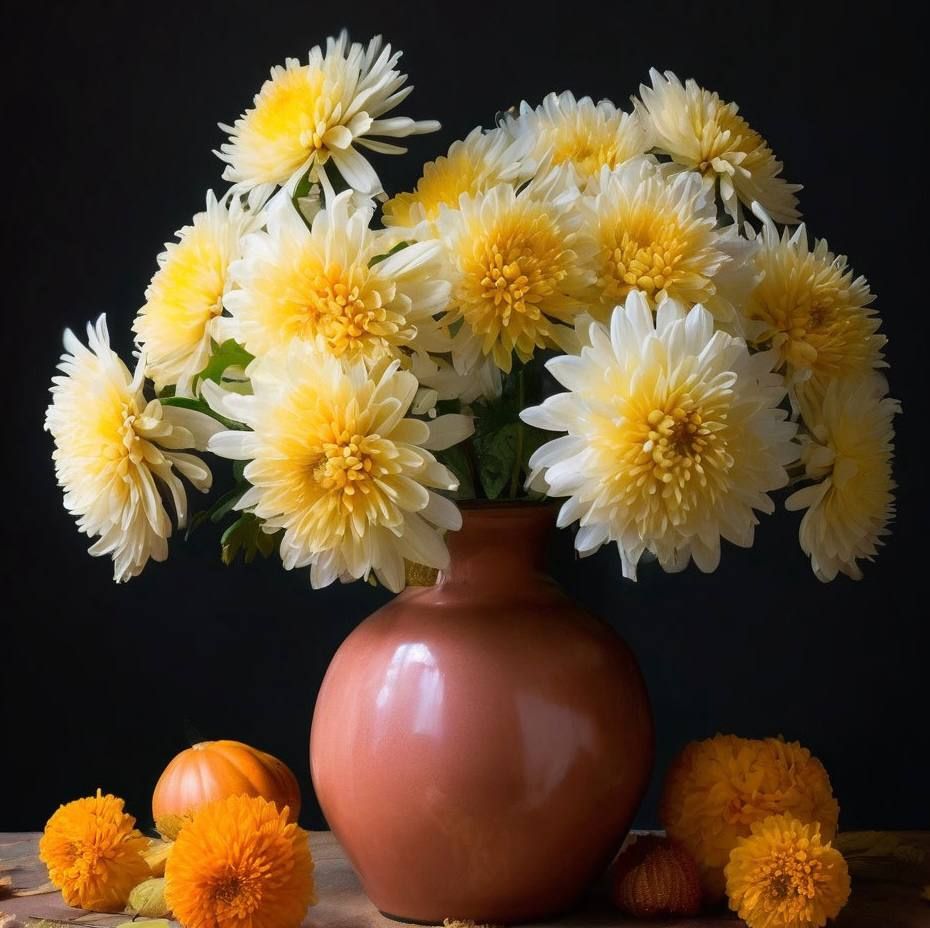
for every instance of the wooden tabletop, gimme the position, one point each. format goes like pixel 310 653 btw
pixel 874 904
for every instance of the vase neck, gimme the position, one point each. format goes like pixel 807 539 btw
pixel 498 545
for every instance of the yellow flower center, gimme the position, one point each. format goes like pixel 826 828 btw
pixel 299 104
pixel 346 464
pixel 242 896
pixel 676 441
pixel 723 132
pixel 443 182
pixel 790 878
pixel 588 146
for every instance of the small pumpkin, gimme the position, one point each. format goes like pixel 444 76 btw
pixel 217 769
pixel 655 876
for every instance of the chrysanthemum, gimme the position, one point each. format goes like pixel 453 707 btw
pixel 240 864
pixel 848 452
pixel 334 463
pixel 480 161
pixel 698 130
pixel 307 114
pixel 674 437
pixel 115 451
pixel 298 282
pixel 786 875
pixel 581 134
pixel 813 312
pixel 515 271
pixel 716 789
pixel 94 853
pixel 657 233
pixel 176 326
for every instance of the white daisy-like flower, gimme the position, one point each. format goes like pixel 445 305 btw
pixel 115 451
pixel 334 463
pixel 704 134
pixel 674 437
pixel 849 453
pixel 516 270
pixel 176 327
pixel 656 232
pixel 325 281
pixel 813 312
pixel 582 135
pixel 480 161
pixel 308 114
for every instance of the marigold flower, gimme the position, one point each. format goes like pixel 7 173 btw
pixel 240 864
pixel 786 876
pixel 94 853
pixel 716 789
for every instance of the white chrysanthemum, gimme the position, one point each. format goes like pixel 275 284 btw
pixel 705 134
pixel 480 161
pixel 515 269
pixel 849 452
pixel 307 114
pixel 176 327
pixel 298 282
pixel 115 451
pixel 334 463
pixel 581 134
pixel 657 232
pixel 813 312
pixel 674 437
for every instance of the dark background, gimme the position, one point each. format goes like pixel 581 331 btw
pixel 110 118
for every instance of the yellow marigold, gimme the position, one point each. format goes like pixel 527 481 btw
pixel 786 876
pixel 716 789
pixel 93 852
pixel 240 864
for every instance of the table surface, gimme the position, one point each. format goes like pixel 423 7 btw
pixel 874 904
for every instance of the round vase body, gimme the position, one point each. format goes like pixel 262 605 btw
pixel 479 747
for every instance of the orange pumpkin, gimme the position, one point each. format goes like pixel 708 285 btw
pixel 217 769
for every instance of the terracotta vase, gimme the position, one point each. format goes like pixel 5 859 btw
pixel 479 747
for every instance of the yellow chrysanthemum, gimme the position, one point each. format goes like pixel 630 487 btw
pixel 515 271
pixel 786 875
pixel 240 864
pixel 471 166
pixel 811 310
pixel 176 326
pixel 334 463
pixel 702 133
pixel 582 135
pixel 658 234
pixel 716 789
pixel 323 282
pixel 94 853
pixel 849 453
pixel 674 437
pixel 306 115
pixel 115 451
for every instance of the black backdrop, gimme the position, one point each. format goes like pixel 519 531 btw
pixel 110 118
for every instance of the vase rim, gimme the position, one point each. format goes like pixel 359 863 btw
pixel 490 505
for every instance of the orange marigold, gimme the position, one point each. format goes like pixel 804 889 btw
pixel 716 789
pixel 785 876
pixel 93 852
pixel 240 864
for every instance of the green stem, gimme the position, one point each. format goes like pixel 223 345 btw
pixel 518 457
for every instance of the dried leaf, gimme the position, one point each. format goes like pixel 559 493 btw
pixel 40 890
pixel 6 886
pixel 887 856
pixel 157 856
pixel 148 899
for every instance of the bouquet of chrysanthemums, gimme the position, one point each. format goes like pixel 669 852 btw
pixel 366 359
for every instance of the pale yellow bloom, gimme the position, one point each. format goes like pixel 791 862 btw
pixel 115 451
pixel 785 875
pixel 657 233
pixel 309 114
pixel 176 327
pixel 675 437
pixel 324 281
pixel 849 452
pixel 334 463
pixel 703 133
pixel 580 134
pixel 515 271
pixel 813 312
pixel 480 161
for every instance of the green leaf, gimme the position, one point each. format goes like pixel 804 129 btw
pixel 200 405
pixel 377 259
pixel 456 459
pixel 229 354
pixel 497 451
pixel 245 535
pixel 224 505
